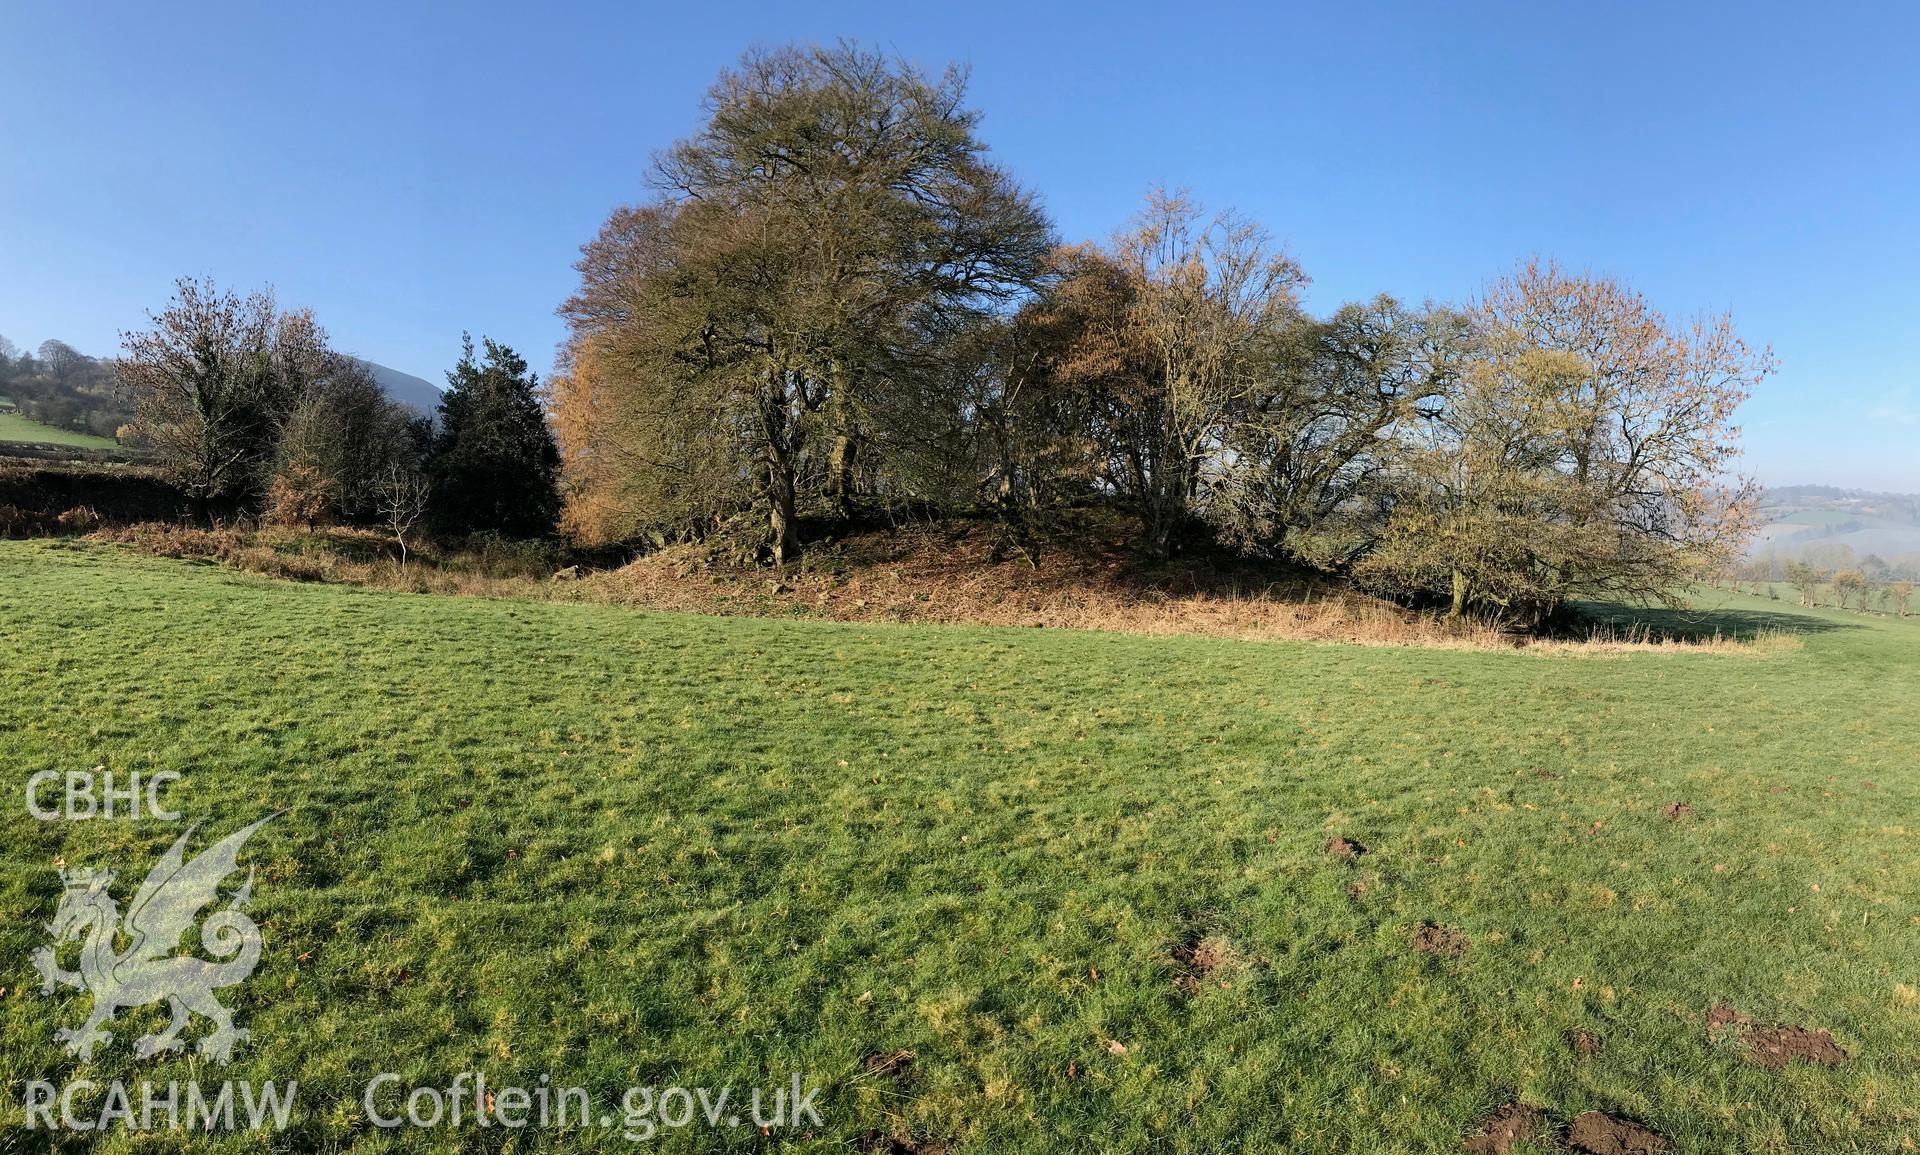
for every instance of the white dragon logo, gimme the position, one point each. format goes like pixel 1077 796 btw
pixel 148 971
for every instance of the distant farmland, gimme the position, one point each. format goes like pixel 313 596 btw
pixel 14 427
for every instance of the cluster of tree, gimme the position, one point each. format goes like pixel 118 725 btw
pixel 1830 569
pixel 1826 559
pixel 834 298
pixel 1849 588
pixel 248 407
pixel 62 387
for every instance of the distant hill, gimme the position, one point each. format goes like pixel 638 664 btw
pixel 1798 516
pixel 405 388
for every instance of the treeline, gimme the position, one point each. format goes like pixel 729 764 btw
pixel 249 408
pixel 834 300
pixel 60 386
pixel 1830 569
pixel 1903 507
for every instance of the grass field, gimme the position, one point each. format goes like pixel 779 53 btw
pixel 15 427
pixel 1787 598
pixel 1080 876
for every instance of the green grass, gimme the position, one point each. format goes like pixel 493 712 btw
pixel 1786 599
pixel 628 848
pixel 15 427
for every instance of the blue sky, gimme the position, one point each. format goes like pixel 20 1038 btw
pixel 413 171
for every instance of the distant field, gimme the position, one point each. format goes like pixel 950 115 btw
pixel 14 427
pixel 1875 535
pixel 1081 877
pixel 1784 595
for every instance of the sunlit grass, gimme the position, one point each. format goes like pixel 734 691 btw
pixel 17 427
pixel 629 848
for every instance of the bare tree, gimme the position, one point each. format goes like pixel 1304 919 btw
pixel 401 500
pixel 1168 335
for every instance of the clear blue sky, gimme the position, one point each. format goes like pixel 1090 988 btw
pixel 411 171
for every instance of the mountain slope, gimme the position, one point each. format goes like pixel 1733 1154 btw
pixel 405 388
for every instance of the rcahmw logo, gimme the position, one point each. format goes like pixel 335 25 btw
pixel 167 1106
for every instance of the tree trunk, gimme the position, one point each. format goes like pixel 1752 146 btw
pixel 1459 594
pixel 1157 540
pixel 1163 505
pixel 840 465
pixel 841 459
pixel 780 511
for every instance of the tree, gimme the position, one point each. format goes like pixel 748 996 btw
pixel 1852 585
pixel 1585 451
pixel 833 219
pixel 1212 299
pixel 213 382
pixel 337 446
pixel 402 498
pixel 652 435
pixel 1900 594
pixel 63 362
pixel 1309 464
pixel 987 424
pixel 493 465
pixel 1805 579
pixel 1167 336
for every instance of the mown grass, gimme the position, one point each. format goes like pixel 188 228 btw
pixel 626 848
pixel 18 427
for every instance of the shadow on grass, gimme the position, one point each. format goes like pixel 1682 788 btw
pixel 1706 623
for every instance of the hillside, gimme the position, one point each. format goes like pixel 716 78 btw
pixel 16 427
pixel 405 388
pixel 64 397
pixel 1886 525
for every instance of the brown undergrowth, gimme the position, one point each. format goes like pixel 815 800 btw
pixel 946 573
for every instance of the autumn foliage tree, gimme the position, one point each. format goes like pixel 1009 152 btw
pixel 1584 452
pixel 835 299
pixel 1851 587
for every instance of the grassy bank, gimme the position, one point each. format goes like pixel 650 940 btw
pixel 17 427
pixel 630 848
